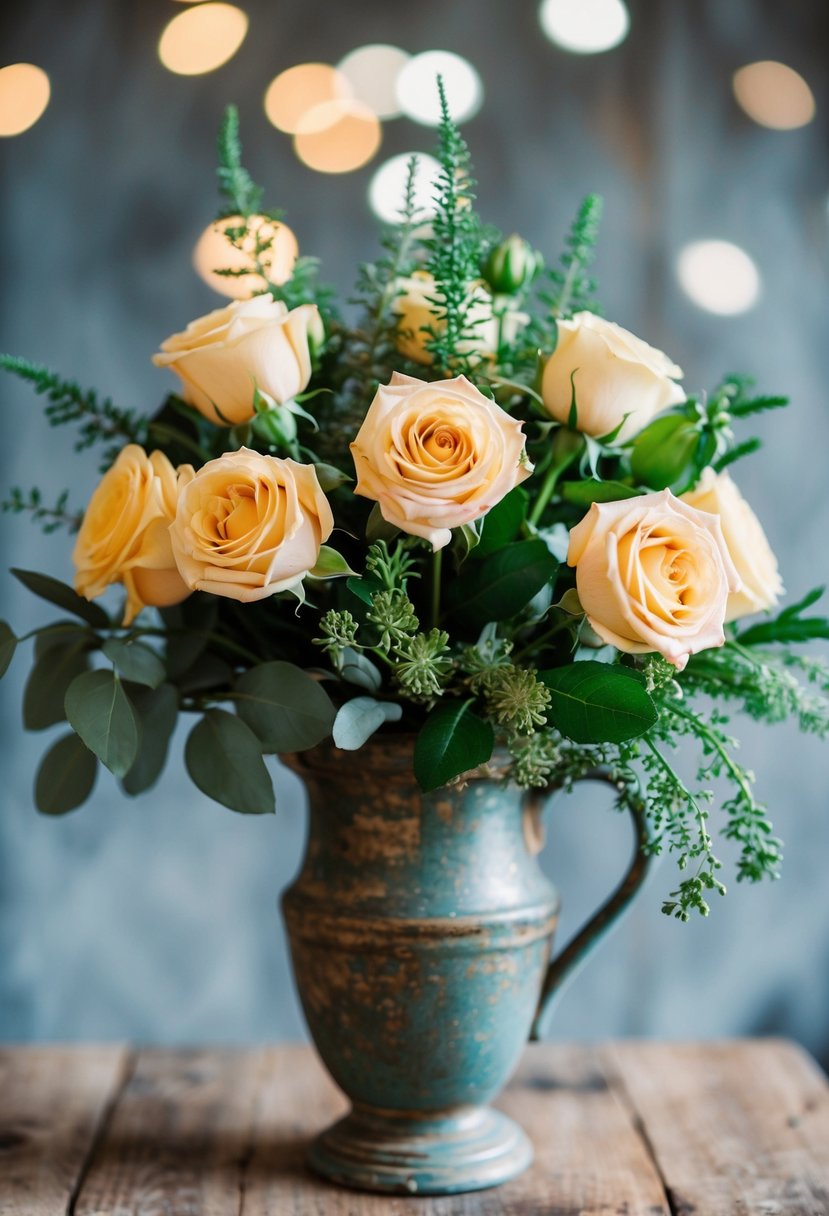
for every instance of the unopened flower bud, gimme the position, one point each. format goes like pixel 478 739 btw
pixel 512 265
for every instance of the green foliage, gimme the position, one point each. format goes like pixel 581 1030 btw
pixel 239 193
pixel 789 625
pixel 360 718
pixel 502 524
pixel 393 616
pixel 584 493
pixel 515 698
pixel 569 288
pixel 66 776
pixel 157 710
pixel 49 679
pixel 51 519
pixel 99 421
pixel 135 661
pixel 664 453
pixel 424 663
pixel 8 645
pixel 99 711
pixel 451 741
pixel 598 702
pixel 286 709
pixel 55 592
pixel 224 759
pixel 500 585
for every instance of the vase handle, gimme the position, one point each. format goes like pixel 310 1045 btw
pixel 564 966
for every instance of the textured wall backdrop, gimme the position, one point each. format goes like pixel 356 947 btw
pixel 156 919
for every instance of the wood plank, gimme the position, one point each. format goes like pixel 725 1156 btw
pixel 737 1128
pixel 589 1157
pixel 52 1103
pixel 179 1138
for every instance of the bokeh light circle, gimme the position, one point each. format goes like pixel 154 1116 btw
pixel 719 277
pixel 24 95
pixel 338 136
pixel 585 27
pixel 295 92
pixel 417 90
pixel 774 95
pixel 202 38
pixel 213 251
pixel 372 72
pixel 386 191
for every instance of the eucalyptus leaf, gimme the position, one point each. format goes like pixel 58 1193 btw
pixel 224 760
pixel 157 709
pixel 502 523
pixel 8 645
pixel 55 592
pixel 499 586
pixel 286 709
pixel 135 661
pixel 62 634
pixel 357 720
pixel 189 626
pixel 598 703
pixel 66 776
pixel 208 671
pixel 358 669
pixel 98 709
pixel 451 741
pixel 49 679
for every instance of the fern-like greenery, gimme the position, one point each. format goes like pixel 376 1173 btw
pixel 51 519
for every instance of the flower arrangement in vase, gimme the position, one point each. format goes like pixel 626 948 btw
pixel 467 548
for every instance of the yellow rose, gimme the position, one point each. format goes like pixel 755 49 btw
pixel 416 317
pixel 125 537
pixel 614 373
pixel 436 456
pixel 224 357
pixel 653 574
pixel 746 541
pixel 249 525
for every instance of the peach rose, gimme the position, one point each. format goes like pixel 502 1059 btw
pixel 124 537
pixel 224 357
pixel 614 373
pixel 746 541
pixel 249 525
pixel 436 456
pixel 653 574
pixel 416 316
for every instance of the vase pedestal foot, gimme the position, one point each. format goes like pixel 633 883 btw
pixel 442 1153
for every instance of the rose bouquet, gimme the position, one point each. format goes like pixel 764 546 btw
pixel 478 513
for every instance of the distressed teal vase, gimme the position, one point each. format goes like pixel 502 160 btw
pixel 421 929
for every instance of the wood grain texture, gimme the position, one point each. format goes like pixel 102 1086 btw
pixel 737 1128
pixel 53 1101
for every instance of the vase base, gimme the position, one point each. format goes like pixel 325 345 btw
pixel 438 1154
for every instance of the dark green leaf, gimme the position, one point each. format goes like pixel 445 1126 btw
pixel 8 645
pixel 794 629
pixel 65 597
pixel 135 661
pixel 747 448
pixel 208 671
pixel 157 709
pixel 286 709
pixel 756 405
pixel 452 740
pixel 62 633
pixel 598 703
pixel 499 586
pixel 224 759
pixel 364 588
pixel 66 776
pixel 189 625
pixel 45 691
pixel 664 452
pixel 811 597
pixel 583 493
pixel 99 710
pixel 501 524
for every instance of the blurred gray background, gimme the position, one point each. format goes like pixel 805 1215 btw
pixel 156 919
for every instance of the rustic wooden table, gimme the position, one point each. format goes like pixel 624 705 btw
pixel 718 1129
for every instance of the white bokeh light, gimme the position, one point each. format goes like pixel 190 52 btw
pixel 719 277
pixel 417 90
pixel 372 72
pixel 585 27
pixel 388 186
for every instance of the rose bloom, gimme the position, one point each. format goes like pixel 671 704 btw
pixel 614 373
pixel 249 525
pixel 653 574
pixel 746 541
pixel 436 456
pixel 124 537
pixel 415 315
pixel 224 357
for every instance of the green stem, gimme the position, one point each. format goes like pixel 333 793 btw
pixel 437 564
pixel 706 733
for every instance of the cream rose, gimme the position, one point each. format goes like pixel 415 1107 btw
pixel 124 537
pixel 249 525
pixel 745 540
pixel 416 318
pixel 614 373
pixel 653 574
pixel 224 357
pixel 436 456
